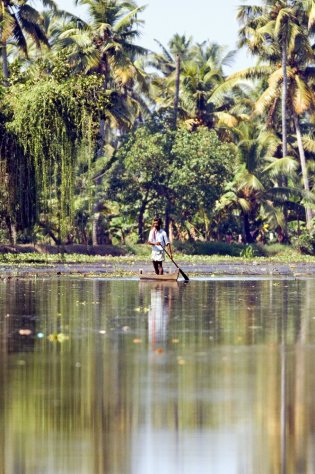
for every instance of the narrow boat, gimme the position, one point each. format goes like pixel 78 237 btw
pixel 165 277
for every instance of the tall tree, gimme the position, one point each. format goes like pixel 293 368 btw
pixel 179 45
pixel 18 19
pixel 201 75
pixel 254 189
pixel 105 45
pixel 277 33
pixel 168 65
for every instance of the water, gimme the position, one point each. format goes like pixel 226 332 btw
pixel 122 377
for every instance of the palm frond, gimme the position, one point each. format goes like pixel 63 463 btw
pixel 303 97
pixel 220 91
pixel 128 20
pixel 281 20
pixel 311 15
pixel 285 166
pixel 7 24
pixel 245 12
pixel 269 142
pixel 267 98
pixel 244 204
pixel 19 37
pixel 309 143
pixel 166 53
pixel 229 58
pixel 51 4
pixel 249 181
pixel 227 119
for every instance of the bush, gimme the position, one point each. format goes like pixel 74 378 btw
pixel 209 248
pixel 305 242
pixel 141 250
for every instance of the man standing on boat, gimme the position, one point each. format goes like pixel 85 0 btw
pixel 158 240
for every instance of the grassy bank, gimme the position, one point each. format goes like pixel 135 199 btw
pixel 189 252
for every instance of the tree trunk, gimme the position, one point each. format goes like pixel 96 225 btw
pixel 143 207
pixel 99 152
pixel 248 236
pixel 4 53
pixel 49 232
pixel 308 211
pixel 5 67
pixel 167 218
pixel 101 138
pixel 141 238
pixel 284 98
pixel 95 228
pixel 177 83
pixel 284 123
pixel 11 230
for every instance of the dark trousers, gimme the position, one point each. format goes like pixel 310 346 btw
pixel 158 267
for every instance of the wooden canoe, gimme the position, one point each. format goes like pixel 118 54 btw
pixel 165 277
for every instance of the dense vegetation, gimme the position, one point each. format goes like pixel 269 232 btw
pixel 97 134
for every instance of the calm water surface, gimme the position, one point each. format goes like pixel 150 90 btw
pixel 122 377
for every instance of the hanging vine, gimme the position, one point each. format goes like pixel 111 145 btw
pixel 52 121
pixel 17 183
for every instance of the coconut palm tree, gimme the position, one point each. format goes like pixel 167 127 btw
pixel 178 45
pixel 201 75
pixel 277 33
pixel 185 81
pixel 105 45
pixel 255 189
pixel 18 20
pixel 272 32
pixel 167 81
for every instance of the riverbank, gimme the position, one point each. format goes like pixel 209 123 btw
pixel 114 262
pixel 128 267
pixel 73 249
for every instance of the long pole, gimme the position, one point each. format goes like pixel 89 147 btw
pixel 180 270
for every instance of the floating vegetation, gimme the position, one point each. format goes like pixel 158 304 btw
pixel 58 337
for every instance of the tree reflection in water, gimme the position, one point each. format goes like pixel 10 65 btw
pixel 220 380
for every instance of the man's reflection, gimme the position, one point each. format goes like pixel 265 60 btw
pixel 162 295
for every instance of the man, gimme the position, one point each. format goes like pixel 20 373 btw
pixel 158 240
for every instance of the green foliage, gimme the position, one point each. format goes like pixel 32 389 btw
pixel 203 165
pixel 183 170
pixel 209 248
pixel 139 179
pixel 51 119
pixel 305 242
pixel 280 250
pixel 248 252
pixel 70 158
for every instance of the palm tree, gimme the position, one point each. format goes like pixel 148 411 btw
pixel 185 80
pixel 18 20
pixel 105 45
pixel 271 32
pixel 254 189
pixel 277 34
pixel 168 64
pixel 167 82
pixel 201 76
pixel 179 46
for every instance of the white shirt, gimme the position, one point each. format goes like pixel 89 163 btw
pixel 161 237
